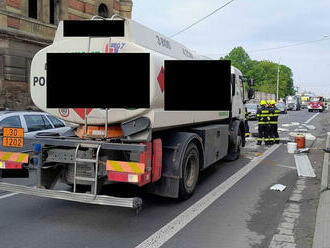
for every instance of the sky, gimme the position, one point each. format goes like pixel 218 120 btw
pixel 254 25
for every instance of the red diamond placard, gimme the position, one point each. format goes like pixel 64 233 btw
pixel 81 112
pixel 161 79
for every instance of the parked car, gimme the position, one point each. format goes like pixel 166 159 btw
pixel 33 123
pixel 252 110
pixel 282 107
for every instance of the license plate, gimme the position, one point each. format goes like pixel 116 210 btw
pixel 13 137
pixel 2 165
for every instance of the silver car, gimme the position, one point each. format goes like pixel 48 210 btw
pixel 282 107
pixel 33 123
pixel 252 110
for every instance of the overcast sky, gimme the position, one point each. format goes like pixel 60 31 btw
pixel 254 25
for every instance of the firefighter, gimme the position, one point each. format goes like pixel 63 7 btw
pixel 269 126
pixel 246 123
pixel 263 123
pixel 274 122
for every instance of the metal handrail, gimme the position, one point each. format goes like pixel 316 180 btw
pixel 119 16
pixel 96 169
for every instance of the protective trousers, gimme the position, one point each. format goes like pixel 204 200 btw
pixel 263 133
pixel 273 124
pixel 274 132
pixel 247 128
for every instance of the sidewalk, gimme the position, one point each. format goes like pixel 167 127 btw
pixel 322 225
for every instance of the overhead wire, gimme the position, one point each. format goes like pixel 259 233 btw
pixel 202 19
pixel 278 47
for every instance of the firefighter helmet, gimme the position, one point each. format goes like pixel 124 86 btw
pixel 263 102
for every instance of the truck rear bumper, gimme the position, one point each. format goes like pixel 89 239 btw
pixel 134 203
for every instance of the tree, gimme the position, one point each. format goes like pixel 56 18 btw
pixel 240 59
pixel 264 73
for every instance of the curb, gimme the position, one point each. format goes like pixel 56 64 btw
pixel 322 225
pixel 325 168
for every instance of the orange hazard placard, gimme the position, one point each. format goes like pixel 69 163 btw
pixel 13 137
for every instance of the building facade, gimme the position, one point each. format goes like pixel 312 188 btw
pixel 26 26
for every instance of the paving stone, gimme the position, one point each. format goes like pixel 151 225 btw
pixel 284 238
pixel 291 215
pixel 297 191
pixel 287 225
pixel 293 210
pixel 276 244
pixel 301 182
pixel 288 219
pixel 301 187
pixel 285 231
pixel 294 205
pixel 296 197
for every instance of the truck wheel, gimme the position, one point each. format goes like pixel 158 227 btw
pixel 190 172
pixel 234 150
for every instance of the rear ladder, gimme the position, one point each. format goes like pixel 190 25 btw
pixel 92 180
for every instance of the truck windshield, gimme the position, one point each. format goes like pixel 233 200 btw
pixel 251 106
pixel 315 99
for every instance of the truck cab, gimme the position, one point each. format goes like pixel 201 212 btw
pixel 293 103
pixel 316 104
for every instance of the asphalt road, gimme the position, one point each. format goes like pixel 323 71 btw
pixel 244 214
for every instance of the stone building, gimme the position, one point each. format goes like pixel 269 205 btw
pixel 27 26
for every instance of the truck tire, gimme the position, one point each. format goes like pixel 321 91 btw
pixel 234 150
pixel 190 172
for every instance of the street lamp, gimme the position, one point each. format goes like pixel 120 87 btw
pixel 278 79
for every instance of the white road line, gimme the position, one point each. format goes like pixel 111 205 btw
pixel 169 230
pixel 310 119
pixel 8 195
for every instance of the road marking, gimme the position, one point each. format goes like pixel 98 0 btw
pixel 8 195
pixel 169 230
pixel 310 119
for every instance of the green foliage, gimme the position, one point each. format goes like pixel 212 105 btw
pixel 264 73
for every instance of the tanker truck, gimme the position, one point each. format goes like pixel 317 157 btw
pixel 159 150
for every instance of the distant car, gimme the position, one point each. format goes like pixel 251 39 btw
pixel 33 123
pixel 252 110
pixel 282 107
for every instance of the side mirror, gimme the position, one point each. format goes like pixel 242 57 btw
pixel 250 82
pixel 251 94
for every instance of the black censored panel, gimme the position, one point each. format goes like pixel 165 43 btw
pixel 197 85
pixel 98 80
pixel 97 28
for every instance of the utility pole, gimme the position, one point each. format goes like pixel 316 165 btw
pixel 278 80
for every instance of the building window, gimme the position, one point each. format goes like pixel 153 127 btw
pixel 54 11
pixel 33 9
pixel 103 11
pixel 51 11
